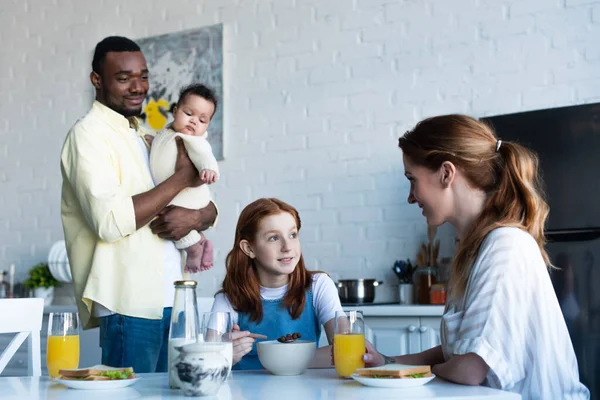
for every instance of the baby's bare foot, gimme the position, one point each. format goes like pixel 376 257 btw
pixel 193 261
pixel 207 255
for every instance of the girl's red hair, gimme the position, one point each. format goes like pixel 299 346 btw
pixel 241 283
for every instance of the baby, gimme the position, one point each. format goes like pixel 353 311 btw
pixel 192 114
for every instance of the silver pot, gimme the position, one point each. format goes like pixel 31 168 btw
pixel 357 291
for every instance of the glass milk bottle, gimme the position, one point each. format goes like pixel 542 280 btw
pixel 184 323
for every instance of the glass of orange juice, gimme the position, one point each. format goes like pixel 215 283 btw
pixel 348 342
pixel 63 342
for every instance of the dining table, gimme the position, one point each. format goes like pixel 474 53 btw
pixel 313 384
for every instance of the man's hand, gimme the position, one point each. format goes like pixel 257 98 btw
pixel 174 222
pixel 208 176
pixel 185 167
pixel 149 139
pixel 149 204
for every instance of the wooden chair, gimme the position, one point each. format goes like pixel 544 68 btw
pixel 23 317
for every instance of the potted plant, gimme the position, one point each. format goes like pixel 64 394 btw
pixel 41 282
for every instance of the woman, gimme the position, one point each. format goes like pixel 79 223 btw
pixel 502 326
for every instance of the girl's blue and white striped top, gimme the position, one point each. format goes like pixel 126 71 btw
pixel 511 318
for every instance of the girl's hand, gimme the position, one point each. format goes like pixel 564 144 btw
pixel 242 342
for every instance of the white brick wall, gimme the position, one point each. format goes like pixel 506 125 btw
pixel 316 94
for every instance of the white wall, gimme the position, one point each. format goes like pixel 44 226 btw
pixel 317 93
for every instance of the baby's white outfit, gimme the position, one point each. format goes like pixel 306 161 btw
pixel 163 156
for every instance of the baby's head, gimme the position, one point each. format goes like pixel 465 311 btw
pixel 194 110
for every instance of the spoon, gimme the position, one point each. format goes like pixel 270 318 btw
pixel 289 338
pixel 257 336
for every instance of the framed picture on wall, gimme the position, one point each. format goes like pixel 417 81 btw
pixel 176 60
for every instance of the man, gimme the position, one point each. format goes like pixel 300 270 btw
pixel 123 268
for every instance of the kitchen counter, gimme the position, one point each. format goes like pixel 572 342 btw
pixel 60 308
pixel 374 310
pixel 398 310
pixel 315 384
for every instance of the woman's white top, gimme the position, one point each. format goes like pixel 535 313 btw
pixel 325 299
pixel 511 318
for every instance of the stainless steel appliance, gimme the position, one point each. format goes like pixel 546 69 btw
pixel 567 141
pixel 357 291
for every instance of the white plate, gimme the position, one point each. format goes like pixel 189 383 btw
pixel 98 385
pixel 63 266
pixel 392 382
pixel 53 251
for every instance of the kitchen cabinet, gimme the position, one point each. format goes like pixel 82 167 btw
pixel 430 332
pixel 404 335
pixel 395 336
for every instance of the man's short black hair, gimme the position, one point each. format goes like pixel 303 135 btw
pixel 111 43
pixel 198 89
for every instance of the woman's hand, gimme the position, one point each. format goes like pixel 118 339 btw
pixel 242 342
pixel 372 358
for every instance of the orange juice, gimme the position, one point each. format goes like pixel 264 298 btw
pixel 62 353
pixel 348 351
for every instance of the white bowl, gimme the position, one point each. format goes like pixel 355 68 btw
pixel 286 358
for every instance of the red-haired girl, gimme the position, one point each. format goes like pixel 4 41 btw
pixel 268 289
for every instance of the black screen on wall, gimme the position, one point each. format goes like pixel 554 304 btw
pixel 567 141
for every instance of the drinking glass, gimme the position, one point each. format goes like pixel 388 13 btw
pixel 348 342
pixel 217 328
pixel 62 351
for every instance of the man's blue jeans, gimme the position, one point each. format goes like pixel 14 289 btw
pixel 135 342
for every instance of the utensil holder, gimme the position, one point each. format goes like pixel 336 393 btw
pixel 406 293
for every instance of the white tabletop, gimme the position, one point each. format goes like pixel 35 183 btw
pixel 318 384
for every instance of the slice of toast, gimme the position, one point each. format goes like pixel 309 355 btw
pixel 395 371
pixel 92 373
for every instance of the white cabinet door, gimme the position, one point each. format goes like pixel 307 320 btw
pixel 395 336
pixel 430 332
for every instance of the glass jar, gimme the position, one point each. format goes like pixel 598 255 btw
pixel 185 324
pixel 437 295
pixel 423 279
